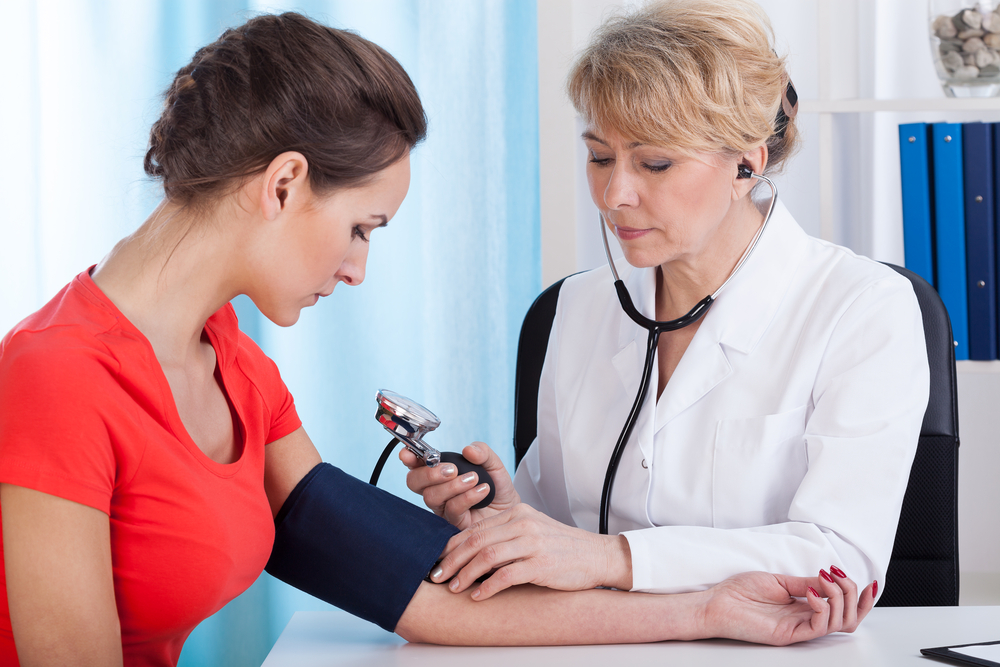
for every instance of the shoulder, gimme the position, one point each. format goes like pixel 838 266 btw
pixel 589 294
pixel 60 395
pixel 840 276
pixel 61 343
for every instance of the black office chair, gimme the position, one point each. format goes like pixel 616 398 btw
pixel 923 569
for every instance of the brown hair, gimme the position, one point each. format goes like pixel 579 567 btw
pixel 283 83
pixel 696 75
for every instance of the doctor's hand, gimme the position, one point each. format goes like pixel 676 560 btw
pixel 780 610
pixel 524 546
pixel 452 497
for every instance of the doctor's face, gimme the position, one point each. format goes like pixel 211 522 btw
pixel 663 205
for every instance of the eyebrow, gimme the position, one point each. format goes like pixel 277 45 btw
pixel 593 137
pixel 382 217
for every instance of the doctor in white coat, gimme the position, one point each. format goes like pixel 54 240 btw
pixel 783 423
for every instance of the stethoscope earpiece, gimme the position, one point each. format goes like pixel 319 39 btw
pixel 743 171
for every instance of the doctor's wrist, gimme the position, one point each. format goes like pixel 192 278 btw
pixel 618 562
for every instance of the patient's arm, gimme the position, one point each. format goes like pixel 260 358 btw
pixel 755 607
pixel 60 588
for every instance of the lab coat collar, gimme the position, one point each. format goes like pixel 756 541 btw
pixel 736 321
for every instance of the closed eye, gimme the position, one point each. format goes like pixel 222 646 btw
pixel 600 162
pixel 359 232
pixel 657 168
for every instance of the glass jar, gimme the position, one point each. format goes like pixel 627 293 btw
pixel 965 45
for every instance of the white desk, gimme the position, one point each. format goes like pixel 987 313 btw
pixel 890 636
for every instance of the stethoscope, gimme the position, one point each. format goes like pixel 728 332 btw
pixel 655 328
pixel 409 422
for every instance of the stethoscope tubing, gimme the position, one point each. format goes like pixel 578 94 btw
pixel 655 328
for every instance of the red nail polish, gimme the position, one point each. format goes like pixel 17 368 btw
pixel 837 571
pixel 874 588
pixel 825 575
pixel 813 591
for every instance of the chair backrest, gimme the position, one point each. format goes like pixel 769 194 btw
pixel 923 569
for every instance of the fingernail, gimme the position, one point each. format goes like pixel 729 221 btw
pixel 813 591
pixel 874 588
pixel 476 593
pixel 837 571
pixel 476 447
pixel 448 470
pixel 468 478
pixel 482 488
pixel 453 585
pixel 825 575
pixel 436 574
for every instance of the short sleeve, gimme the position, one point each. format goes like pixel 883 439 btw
pixel 264 375
pixel 54 436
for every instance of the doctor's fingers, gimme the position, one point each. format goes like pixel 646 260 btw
pixel 486 531
pixel 481 454
pixel 409 459
pixel 480 546
pixel 423 477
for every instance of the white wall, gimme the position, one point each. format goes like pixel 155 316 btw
pixel 850 194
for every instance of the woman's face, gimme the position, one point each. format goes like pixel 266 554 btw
pixel 663 205
pixel 325 242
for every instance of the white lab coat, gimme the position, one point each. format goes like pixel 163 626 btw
pixel 782 442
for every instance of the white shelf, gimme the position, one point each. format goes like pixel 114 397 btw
pixel 872 105
pixel 978 366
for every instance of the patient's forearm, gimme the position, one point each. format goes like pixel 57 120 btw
pixel 529 615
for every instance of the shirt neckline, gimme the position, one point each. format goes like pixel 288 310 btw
pixel 169 405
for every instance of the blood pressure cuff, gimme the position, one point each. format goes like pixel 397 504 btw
pixel 354 545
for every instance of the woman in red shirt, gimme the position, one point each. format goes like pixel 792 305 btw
pixel 148 449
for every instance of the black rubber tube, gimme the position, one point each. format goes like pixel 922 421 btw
pixel 381 461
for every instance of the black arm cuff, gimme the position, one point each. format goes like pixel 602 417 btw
pixel 354 545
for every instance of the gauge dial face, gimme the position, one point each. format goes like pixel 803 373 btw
pixel 410 410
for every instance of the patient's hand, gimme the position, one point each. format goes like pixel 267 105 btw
pixel 450 496
pixel 777 609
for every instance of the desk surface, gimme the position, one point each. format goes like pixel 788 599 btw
pixel 889 636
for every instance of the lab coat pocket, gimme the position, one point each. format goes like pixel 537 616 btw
pixel 759 463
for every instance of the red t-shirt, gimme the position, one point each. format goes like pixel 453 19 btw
pixel 86 414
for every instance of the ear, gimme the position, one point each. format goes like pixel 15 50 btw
pixel 756 161
pixel 285 181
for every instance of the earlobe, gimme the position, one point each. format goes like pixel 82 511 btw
pixel 284 179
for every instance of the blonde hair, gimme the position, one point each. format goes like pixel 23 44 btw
pixel 694 75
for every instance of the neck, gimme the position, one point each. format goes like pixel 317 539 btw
pixel 685 281
pixel 170 276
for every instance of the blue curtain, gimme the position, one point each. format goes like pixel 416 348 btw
pixel 448 281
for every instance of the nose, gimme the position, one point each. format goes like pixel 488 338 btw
pixel 352 269
pixel 620 191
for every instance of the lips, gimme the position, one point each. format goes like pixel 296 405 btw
pixel 629 233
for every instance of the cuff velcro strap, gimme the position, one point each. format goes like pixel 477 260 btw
pixel 354 545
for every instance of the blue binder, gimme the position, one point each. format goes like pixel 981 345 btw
pixel 917 221
pixel 949 229
pixel 980 233
pixel 995 127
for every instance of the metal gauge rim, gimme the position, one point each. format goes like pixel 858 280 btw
pixel 410 410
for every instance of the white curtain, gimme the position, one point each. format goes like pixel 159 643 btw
pixel 448 281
